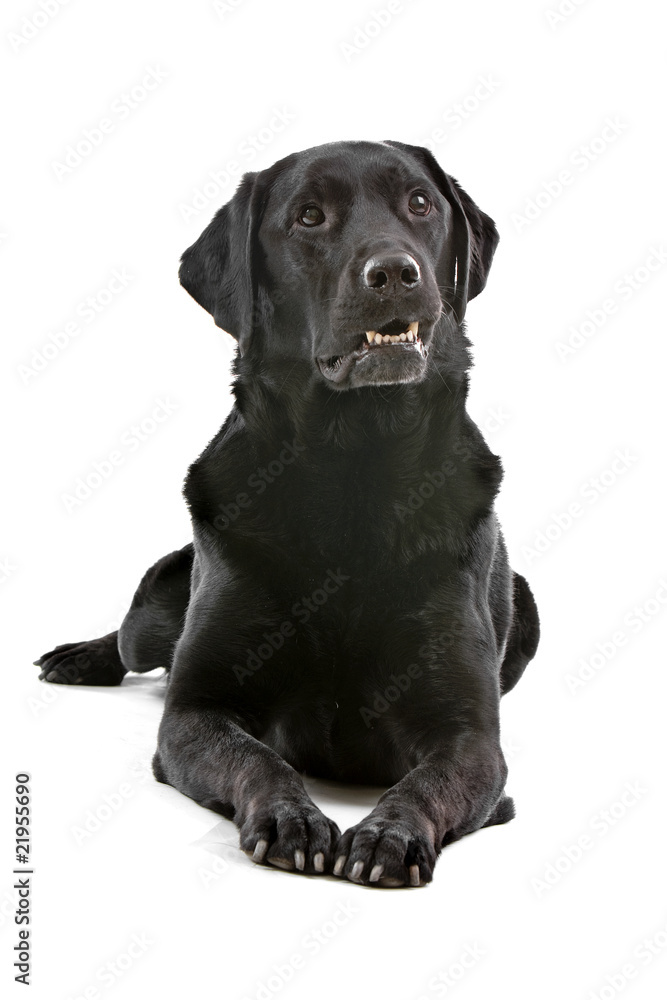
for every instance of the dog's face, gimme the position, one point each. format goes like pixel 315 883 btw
pixel 352 257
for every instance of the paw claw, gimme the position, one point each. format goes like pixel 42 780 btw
pixel 261 848
pixel 318 862
pixel 357 869
pixel 388 851
pixel 299 860
pixel 340 864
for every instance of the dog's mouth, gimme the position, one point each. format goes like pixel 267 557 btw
pixel 385 349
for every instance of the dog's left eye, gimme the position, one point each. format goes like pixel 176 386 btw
pixel 419 204
pixel 311 215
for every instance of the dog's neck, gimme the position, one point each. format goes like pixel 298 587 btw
pixel 366 457
pixel 293 401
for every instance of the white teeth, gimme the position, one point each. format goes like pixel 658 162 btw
pixel 373 337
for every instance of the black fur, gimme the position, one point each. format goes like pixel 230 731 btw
pixel 346 608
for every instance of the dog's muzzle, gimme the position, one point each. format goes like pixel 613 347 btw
pixel 393 354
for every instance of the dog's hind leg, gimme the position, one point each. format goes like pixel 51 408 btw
pixel 523 637
pixel 146 638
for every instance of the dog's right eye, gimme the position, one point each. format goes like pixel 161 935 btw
pixel 311 215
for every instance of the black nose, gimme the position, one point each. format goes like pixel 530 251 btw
pixel 399 269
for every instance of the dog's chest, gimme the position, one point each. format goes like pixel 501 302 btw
pixel 325 742
pixel 330 726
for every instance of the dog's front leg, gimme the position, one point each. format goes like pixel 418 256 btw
pixel 209 756
pixel 456 788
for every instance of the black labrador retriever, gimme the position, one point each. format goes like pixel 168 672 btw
pixel 346 608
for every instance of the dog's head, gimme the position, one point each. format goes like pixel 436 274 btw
pixel 352 256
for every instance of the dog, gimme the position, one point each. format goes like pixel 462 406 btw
pixel 346 608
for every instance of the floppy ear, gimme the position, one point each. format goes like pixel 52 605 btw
pixel 484 240
pixel 474 240
pixel 216 270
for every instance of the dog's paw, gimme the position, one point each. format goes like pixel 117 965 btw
pixel 295 836
pixel 386 852
pixel 96 662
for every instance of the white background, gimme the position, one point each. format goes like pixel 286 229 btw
pixel 159 865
